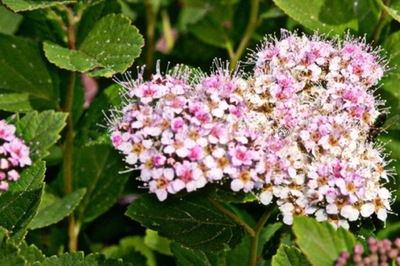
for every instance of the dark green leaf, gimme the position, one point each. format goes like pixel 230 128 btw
pixel 31 253
pixel 368 13
pixel 132 249
pixel 18 205
pixel 23 5
pixel 41 131
pixel 111 47
pixel 320 242
pixel 22 70
pixel 96 169
pixel 289 256
pixel 392 79
pixel 328 16
pixel 175 218
pixel 57 210
pixel 9 21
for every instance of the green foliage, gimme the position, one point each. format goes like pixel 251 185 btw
pixel 209 229
pixel 74 184
pixel 110 47
pixel 320 242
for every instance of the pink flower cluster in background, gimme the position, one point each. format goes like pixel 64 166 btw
pixel 14 155
pixel 295 131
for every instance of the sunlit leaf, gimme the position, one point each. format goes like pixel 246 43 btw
pixel 24 5
pixel 289 256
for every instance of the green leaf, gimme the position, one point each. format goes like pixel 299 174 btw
pixel 15 102
pixel 18 205
pixel 392 79
pixel 132 249
pixel 154 241
pixel 175 218
pixel 31 253
pixel 188 257
pixel 8 251
pixel 393 9
pixel 57 210
pixel 24 5
pixel 96 169
pixel 331 16
pixel 22 70
pixel 110 47
pixel 289 256
pixel 78 259
pixel 9 21
pixel 41 131
pixel 320 242
pixel 368 13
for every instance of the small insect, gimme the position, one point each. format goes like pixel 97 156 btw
pixel 377 128
pixel 283 132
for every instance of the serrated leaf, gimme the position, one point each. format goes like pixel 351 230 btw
pixel 393 9
pixel 22 70
pixel 320 242
pixel 24 5
pixel 18 205
pixel 187 257
pixel 9 21
pixel 154 241
pixel 41 131
pixel 334 16
pixel 96 169
pixel 8 251
pixel 78 259
pixel 57 210
pixel 289 256
pixel 110 47
pixel 210 230
pixel 132 249
pixel 31 253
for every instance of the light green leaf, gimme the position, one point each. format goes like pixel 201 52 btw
pixel 110 47
pixel 9 21
pixel 96 169
pixel 54 212
pixel 210 230
pixel 320 242
pixel 22 70
pixel 132 249
pixel 15 102
pixel 158 243
pixel 24 5
pixel 393 9
pixel 41 131
pixel 8 252
pixel 18 205
pixel 328 16
pixel 289 256
pixel 78 259
pixel 188 257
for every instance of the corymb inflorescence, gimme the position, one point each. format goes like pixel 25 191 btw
pixel 14 155
pixel 295 131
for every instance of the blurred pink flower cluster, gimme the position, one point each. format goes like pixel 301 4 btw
pixel 296 131
pixel 14 155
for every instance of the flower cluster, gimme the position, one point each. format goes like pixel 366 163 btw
pixel 318 98
pixel 14 155
pixel 297 130
pixel 381 252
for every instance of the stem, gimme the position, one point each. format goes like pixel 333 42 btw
pixel 254 239
pixel 169 40
pixel 251 26
pixel 151 25
pixel 379 26
pixel 233 216
pixel 73 229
